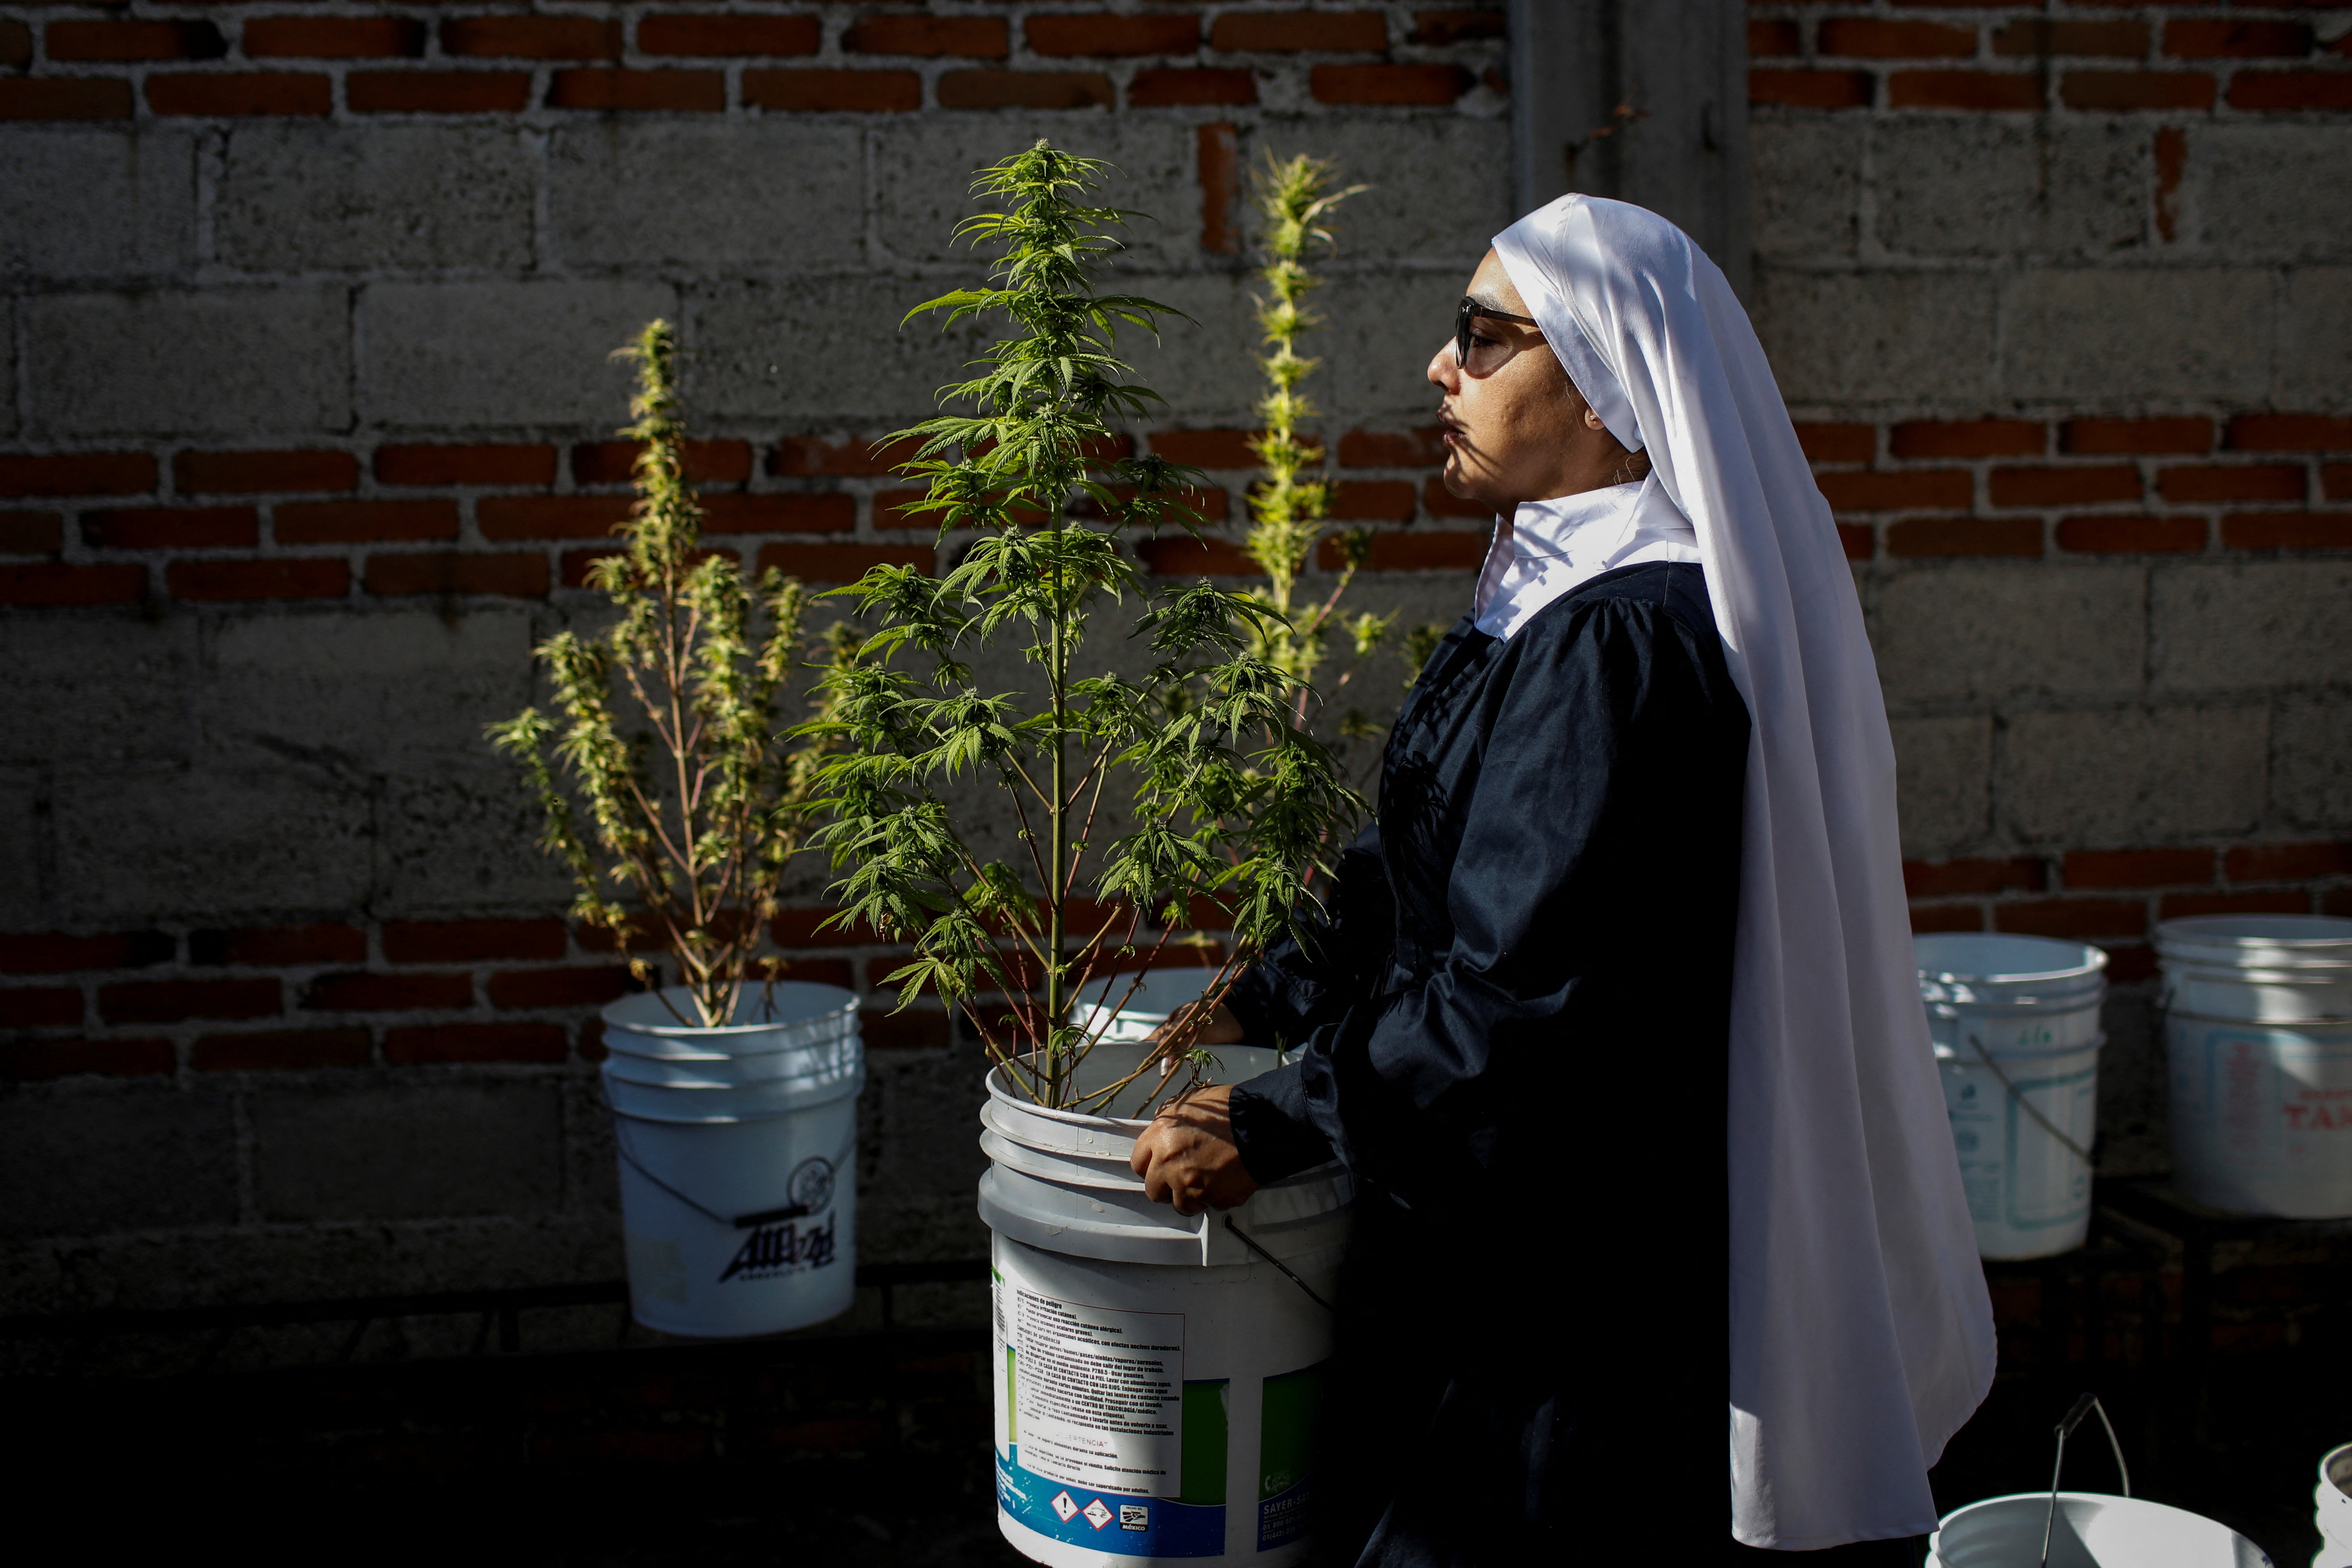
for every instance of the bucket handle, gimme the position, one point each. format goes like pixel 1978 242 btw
pixel 1247 1241
pixel 2027 1106
pixel 2083 1406
pixel 740 1222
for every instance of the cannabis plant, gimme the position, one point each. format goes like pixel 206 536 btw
pixel 1227 799
pixel 693 808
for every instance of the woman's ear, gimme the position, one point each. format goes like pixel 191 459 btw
pixel 1591 420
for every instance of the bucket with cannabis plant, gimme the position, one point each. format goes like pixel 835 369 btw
pixel 666 790
pixel 1136 798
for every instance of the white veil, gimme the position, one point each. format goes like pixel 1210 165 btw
pixel 1861 1330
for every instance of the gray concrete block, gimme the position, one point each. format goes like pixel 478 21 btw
pixel 199 844
pixel 2229 625
pixel 919 1162
pixel 20 850
pixel 826 352
pixel 2315 363
pixel 2106 337
pixel 1375 349
pixel 8 419
pixel 1987 629
pixel 374 689
pixel 407 1151
pixel 452 355
pixel 87 688
pixel 220 362
pixel 1843 338
pixel 2277 191
pixel 923 177
pixel 767 194
pixel 1804 185
pixel 463 834
pixel 2311 759
pixel 1441 189
pixel 87 1159
pixel 83 204
pixel 2135 1091
pixel 2134 775
pixel 2004 187
pixel 1943 782
pixel 1206 367
pixel 301 195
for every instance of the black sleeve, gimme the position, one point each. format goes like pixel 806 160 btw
pixel 1311 978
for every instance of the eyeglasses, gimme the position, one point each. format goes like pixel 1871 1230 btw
pixel 1482 359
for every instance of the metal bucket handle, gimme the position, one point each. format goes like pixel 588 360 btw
pixel 2083 1406
pixel 2027 1106
pixel 740 1222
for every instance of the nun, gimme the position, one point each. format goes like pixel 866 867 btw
pixel 1612 1015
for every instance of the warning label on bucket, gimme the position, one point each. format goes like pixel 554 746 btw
pixel 1100 1397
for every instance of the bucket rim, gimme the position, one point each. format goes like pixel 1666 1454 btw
pixel 1002 1091
pixel 848 1004
pixel 2091 966
pixel 2337 1458
pixel 2323 939
pixel 2041 1498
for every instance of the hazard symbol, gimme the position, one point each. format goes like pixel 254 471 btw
pixel 1064 1506
pixel 1098 1515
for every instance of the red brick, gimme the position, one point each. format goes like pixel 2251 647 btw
pixel 1098 33
pixel 2291 90
pixel 281 1049
pixel 2081 919
pixel 820 971
pixel 842 563
pixel 821 92
pixel 2136 90
pixel 342 521
pixel 467 942
pixel 475 1042
pixel 1414 552
pixel 66 98
pixel 232 580
pixel 1766 40
pixel 1218 155
pixel 1187 557
pixel 1323 32
pixel 1956 878
pixel 1439 29
pixel 361 992
pixel 1165 86
pixel 77 474
pixel 916 1029
pixel 2289 433
pixel 1947 917
pixel 1388 84
pixel 437 92
pixel 39 1006
pixel 717 37
pixel 168 1001
pixel 123 42
pixel 2105 437
pixel 31 532
pixel 278 946
pixel 2171 150
pixel 1869 39
pixel 806 928
pixel 2337 903
pixel 244 473
pixel 485 465
pixel 1969 439
pixel 1859 540
pixel 37 953
pixel 971 37
pixel 2335 481
pixel 1438 501
pixel 551 517
pixel 790 512
pixel 454 571
pixel 2131 535
pixel 2287 862
pixel 809 455
pixel 573 567
pixel 2041 36
pixel 2189 906
pixel 532 37
pixel 16 44
pixel 695 91
pixel 1838 442
pixel 64 1058
pixel 1373 501
pixel 241 95
pixel 1205 448
pixel 54 582
pixel 1897 491
pixel 2286 530
pixel 1810 89
pixel 1964 90
pixel 167 528
pixel 1929 536
pixel 2137 868
pixel 2249 481
pixel 2212 39
pixel 1024 90
pixel 559 987
pixel 2063 487
pixel 707 462
pixel 1418 448
pixel 332 37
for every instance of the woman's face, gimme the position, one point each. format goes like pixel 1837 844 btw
pixel 1515 428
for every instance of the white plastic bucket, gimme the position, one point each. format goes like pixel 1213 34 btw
pixel 2258 1042
pixel 2031 1005
pixel 738 1203
pixel 1138 1004
pixel 2092 1529
pixel 1156 1377
pixel 2332 1510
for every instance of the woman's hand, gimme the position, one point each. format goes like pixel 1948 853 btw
pixel 1221 1029
pixel 1187 1157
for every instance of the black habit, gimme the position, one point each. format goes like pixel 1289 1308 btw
pixel 1515 1022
